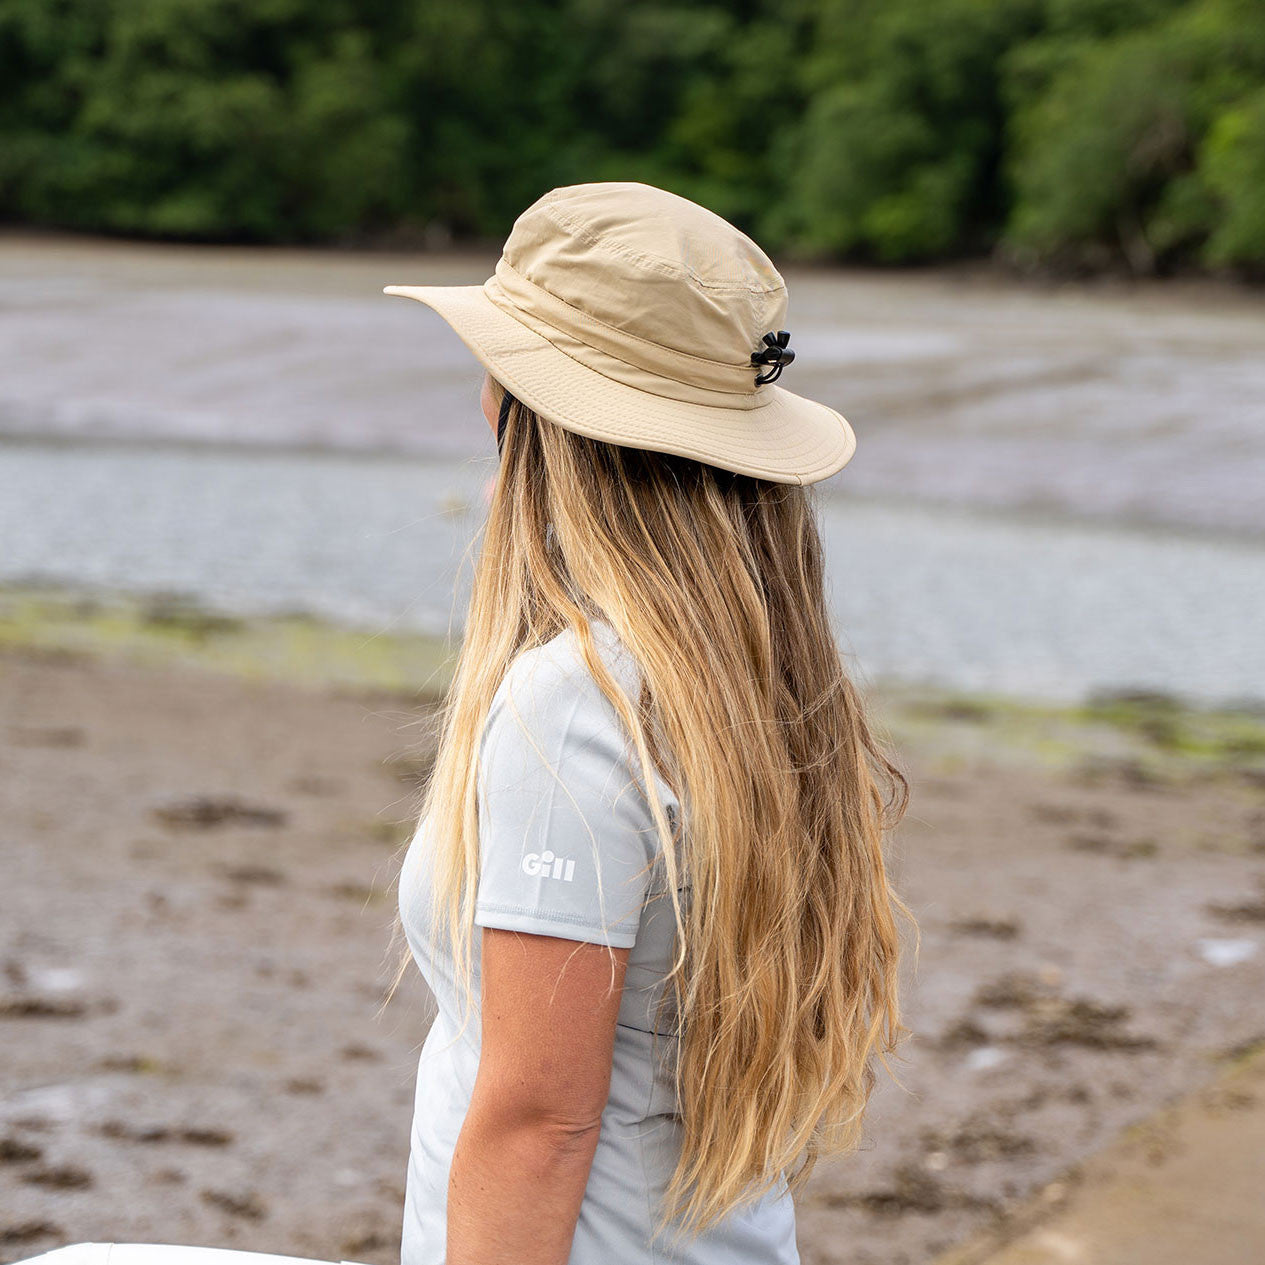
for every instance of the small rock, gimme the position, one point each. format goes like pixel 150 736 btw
pixel 17 1151
pixel 27 1232
pixel 257 875
pixel 60 1177
pixel 364 1052
pixel 250 1206
pixel 207 811
pixel 304 1085
pixel 990 928
pixel 36 1007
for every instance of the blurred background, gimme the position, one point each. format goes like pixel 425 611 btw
pixel 240 497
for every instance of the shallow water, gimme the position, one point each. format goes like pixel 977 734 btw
pixel 966 599
pixel 1054 490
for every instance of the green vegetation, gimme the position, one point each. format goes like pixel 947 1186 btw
pixel 1146 741
pixel 170 631
pixel 1078 133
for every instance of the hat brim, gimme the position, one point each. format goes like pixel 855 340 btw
pixel 788 440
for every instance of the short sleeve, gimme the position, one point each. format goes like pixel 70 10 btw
pixel 566 838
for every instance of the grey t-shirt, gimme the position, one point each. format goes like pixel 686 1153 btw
pixel 568 848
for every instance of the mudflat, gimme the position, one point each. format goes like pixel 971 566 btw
pixel 1131 402
pixel 1183 1185
pixel 199 881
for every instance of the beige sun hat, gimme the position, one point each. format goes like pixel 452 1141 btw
pixel 633 315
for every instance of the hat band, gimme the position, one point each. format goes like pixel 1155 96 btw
pixel 634 361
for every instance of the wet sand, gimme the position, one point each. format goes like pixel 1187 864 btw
pixel 1133 403
pixel 1184 1185
pixel 199 883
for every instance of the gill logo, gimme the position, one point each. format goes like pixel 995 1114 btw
pixel 548 865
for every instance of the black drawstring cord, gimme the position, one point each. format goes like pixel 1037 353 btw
pixel 506 400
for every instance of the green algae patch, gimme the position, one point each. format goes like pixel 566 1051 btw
pixel 1142 740
pixel 1165 724
pixel 1147 741
pixel 170 630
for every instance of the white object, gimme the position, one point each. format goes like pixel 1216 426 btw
pixel 1227 952
pixel 985 1057
pixel 162 1254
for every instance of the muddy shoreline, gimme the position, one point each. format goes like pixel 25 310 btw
pixel 200 851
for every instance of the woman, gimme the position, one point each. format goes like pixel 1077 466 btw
pixel 656 794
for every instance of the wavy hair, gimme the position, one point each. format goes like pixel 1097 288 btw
pixel 784 984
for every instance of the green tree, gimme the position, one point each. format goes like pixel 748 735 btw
pixel 1133 146
pixel 197 118
pixel 898 155
pixel 1233 169
pixel 1069 132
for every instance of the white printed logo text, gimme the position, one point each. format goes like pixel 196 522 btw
pixel 548 865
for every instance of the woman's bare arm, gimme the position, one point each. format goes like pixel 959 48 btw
pixel 523 1156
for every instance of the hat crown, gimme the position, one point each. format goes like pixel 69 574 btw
pixel 652 265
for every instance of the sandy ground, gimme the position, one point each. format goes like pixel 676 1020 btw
pixel 1184 1185
pixel 198 896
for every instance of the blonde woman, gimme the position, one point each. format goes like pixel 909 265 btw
pixel 647 887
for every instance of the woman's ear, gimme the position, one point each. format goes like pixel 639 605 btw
pixel 488 398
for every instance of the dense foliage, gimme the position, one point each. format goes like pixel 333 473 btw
pixel 1078 132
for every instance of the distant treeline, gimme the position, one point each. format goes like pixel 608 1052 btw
pixel 1077 133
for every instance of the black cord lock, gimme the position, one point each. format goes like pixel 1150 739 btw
pixel 775 353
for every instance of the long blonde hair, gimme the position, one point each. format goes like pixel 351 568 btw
pixel 785 979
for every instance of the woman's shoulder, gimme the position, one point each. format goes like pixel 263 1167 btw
pixel 554 674
pixel 549 707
